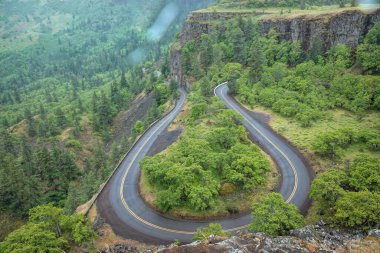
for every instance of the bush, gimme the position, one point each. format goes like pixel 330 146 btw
pixel 350 198
pixel 49 230
pixel 330 143
pixel 213 229
pixel 73 143
pixel 369 51
pixel 358 209
pixel 364 174
pixel 272 215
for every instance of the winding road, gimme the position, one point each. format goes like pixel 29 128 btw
pixel 122 207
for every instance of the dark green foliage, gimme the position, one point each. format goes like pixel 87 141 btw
pixel 123 81
pixel 39 176
pixel 138 128
pixel 358 209
pixel 231 73
pixel 330 144
pixel 49 230
pixel 365 174
pixel 272 215
pixel 328 187
pixel 187 59
pixel 369 51
pixel 350 197
pixel 206 51
pixel 18 190
pixel 30 123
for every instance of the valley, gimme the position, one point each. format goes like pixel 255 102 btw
pixel 158 122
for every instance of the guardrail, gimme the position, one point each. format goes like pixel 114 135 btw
pixel 95 197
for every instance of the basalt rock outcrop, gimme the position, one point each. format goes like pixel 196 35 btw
pixel 304 240
pixel 323 30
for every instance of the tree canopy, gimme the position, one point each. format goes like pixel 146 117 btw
pixel 272 215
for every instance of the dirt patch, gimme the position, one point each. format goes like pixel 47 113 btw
pixel 88 140
pixel 164 140
pixel 125 120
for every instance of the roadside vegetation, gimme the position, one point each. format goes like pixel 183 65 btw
pixel 49 230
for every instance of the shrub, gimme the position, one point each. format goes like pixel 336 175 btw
pixel 272 215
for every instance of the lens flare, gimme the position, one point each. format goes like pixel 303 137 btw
pixel 163 21
pixel 368 5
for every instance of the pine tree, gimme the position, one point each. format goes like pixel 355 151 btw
pixel 27 157
pixel 104 113
pixel 257 60
pixel 94 102
pixel 206 52
pixel 7 142
pixel 238 45
pixel 123 81
pixel 60 118
pixel 30 123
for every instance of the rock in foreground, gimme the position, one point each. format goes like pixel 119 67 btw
pixel 308 239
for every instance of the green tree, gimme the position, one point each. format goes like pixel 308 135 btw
pixel 231 73
pixel 328 187
pixel 49 230
pixel 138 128
pixel 358 209
pixel 369 51
pixel 168 199
pixel 340 54
pixel 123 80
pixel 199 109
pixel 364 174
pixel 272 215
pixel 33 238
pixel 206 54
pixel 257 60
pixel 18 191
pixel 30 123
pixel 60 118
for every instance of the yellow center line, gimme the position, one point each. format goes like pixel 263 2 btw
pixel 180 231
pixel 274 145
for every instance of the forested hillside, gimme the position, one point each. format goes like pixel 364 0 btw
pixel 80 80
pixel 68 68
pixel 325 102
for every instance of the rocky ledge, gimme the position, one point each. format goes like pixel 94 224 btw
pixel 318 238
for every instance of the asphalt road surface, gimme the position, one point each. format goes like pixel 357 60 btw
pixel 122 207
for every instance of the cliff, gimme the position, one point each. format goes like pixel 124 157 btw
pixel 346 27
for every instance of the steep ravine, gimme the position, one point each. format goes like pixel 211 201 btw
pixel 345 27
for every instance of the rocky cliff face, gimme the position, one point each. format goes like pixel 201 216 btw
pixel 345 27
pixel 308 239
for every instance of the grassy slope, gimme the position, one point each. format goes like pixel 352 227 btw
pixel 276 11
pixel 303 137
